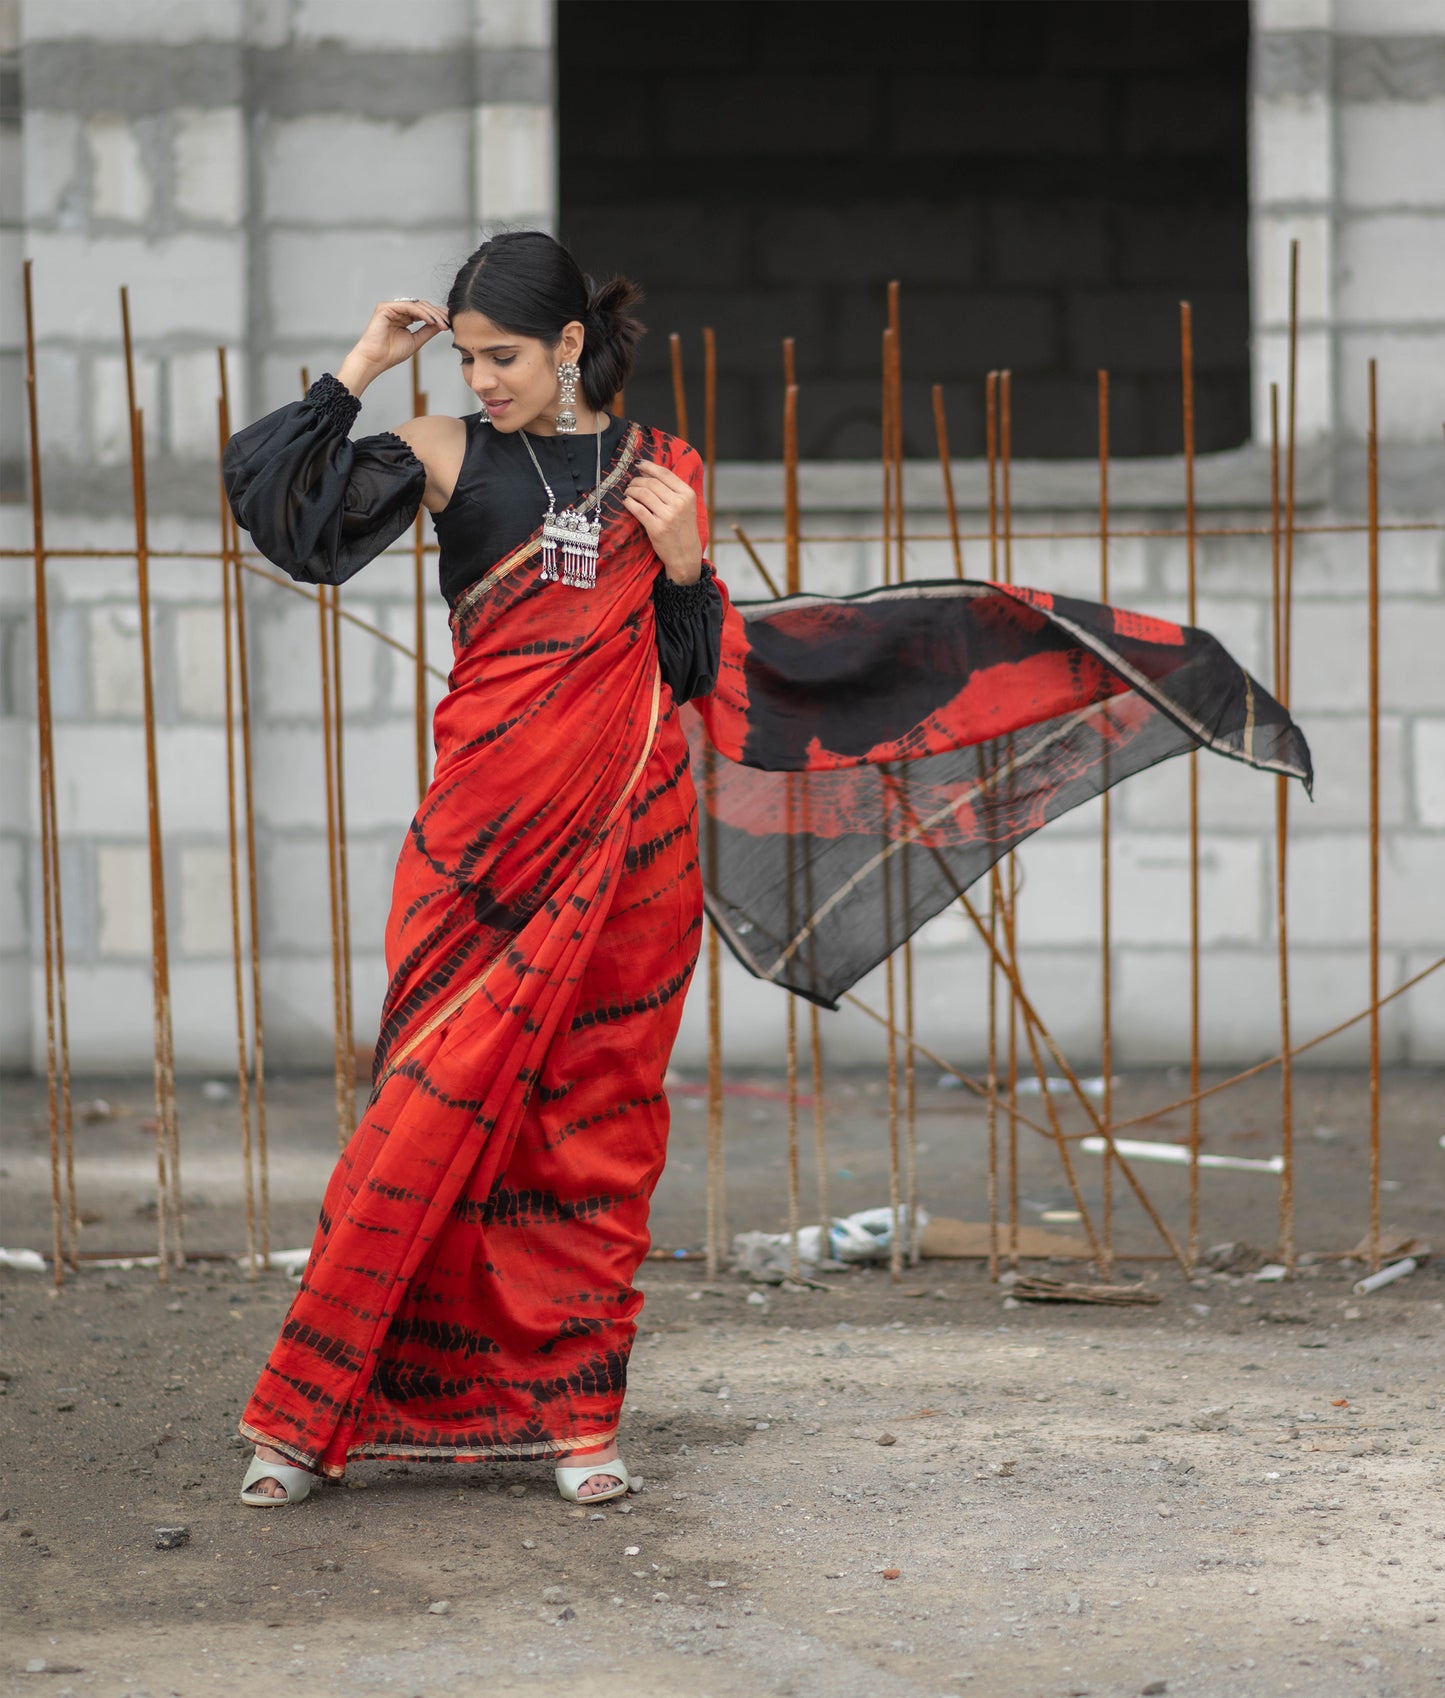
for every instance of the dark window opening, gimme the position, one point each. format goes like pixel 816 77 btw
pixel 1047 179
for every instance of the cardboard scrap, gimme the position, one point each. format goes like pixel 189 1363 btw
pixel 943 1238
pixel 1038 1288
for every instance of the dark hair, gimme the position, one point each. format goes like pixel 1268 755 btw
pixel 528 284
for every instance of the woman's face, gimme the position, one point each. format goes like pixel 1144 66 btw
pixel 514 377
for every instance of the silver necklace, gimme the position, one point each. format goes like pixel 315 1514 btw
pixel 570 533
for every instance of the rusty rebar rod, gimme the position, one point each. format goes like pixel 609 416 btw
pixel 1373 599
pixel 338 1018
pixel 170 1246
pixel 233 835
pixel 715 1226
pixel 1286 626
pixel 243 675
pixel 63 1219
pixel 418 610
pixel 679 387
pixel 1106 887
pixel 945 463
pixel 1186 358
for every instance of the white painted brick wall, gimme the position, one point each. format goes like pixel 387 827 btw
pixel 110 409
pixel 179 285
pixel 115 662
pixel 334 170
pixel 205 901
pixel 1390 267
pixel 515 146
pixel 53 167
pixel 200 661
pixel 1392 153
pixel 379 23
pixel 1429 757
pixel 1410 382
pixel 14 898
pixel 169 22
pixel 514 23
pixel 1385 17
pixel 123 889
pixel 363 267
pixel 209 160
pixel 120 185
pixel 1290 150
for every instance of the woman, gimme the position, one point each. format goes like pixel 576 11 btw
pixel 469 1293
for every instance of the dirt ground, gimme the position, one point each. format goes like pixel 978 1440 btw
pixel 911 1489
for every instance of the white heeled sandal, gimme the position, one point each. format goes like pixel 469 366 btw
pixel 295 1482
pixel 569 1479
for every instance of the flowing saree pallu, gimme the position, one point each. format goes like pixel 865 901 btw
pixel 884 750
pixel 469 1291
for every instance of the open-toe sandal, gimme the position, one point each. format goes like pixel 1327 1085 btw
pixel 569 1479
pixel 295 1482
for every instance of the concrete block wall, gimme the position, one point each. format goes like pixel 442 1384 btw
pixel 340 151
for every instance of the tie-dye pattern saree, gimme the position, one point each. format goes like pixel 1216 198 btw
pixel 469 1293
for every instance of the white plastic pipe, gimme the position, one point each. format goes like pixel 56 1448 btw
pixel 1386 1276
pixel 1179 1155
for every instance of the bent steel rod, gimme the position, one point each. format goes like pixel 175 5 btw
pixel 243 673
pixel 228 684
pixel 63 1218
pixel 1186 357
pixel 170 1245
pixel 1106 891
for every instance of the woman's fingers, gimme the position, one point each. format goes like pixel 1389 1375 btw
pixel 660 475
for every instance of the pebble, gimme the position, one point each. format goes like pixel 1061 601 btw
pixel 36 1665
pixel 887 1438
pixel 555 1595
pixel 1212 1420
pixel 440 1607
pixel 529 1544
pixel 517 1491
pixel 632 1550
pixel 172 1538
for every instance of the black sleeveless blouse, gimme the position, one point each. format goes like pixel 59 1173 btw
pixel 320 506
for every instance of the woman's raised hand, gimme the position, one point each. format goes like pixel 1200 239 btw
pixel 389 339
pixel 666 508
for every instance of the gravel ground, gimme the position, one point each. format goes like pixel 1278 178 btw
pixel 908 1490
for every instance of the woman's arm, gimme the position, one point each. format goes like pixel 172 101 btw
pixel 317 504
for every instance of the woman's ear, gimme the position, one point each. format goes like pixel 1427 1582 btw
pixel 570 345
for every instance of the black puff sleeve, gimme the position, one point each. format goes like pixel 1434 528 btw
pixel 317 504
pixel 689 633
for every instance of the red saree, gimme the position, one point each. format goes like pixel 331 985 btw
pixel 469 1292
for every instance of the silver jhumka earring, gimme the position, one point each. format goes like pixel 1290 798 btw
pixel 568 375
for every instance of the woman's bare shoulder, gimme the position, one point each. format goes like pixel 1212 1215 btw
pixel 440 443
pixel 433 434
